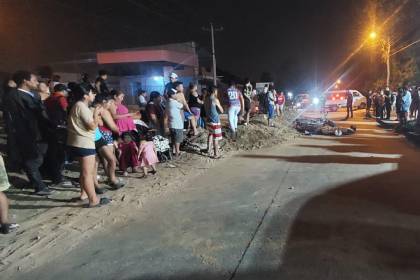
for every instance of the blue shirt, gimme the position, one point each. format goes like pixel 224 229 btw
pixel 98 134
pixel 175 114
pixel 233 95
pixel 406 102
pixel 213 114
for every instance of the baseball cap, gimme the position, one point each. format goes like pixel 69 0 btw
pixel 173 75
pixel 60 87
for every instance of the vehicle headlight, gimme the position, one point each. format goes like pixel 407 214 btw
pixel 315 100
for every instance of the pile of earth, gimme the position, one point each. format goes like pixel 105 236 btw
pixel 257 134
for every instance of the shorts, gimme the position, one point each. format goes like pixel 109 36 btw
pixel 188 115
pixel 196 112
pixel 247 105
pixel 4 180
pixel 81 152
pixel 100 143
pixel 107 136
pixel 215 130
pixel 270 111
pixel 177 135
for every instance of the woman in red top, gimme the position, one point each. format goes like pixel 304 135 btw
pixel 280 100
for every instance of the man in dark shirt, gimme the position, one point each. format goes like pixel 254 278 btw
pixel 100 83
pixel 31 126
pixel 349 105
pixel 388 103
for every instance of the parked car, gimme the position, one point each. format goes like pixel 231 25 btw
pixel 302 101
pixel 337 99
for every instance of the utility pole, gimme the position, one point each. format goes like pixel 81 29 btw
pixel 388 57
pixel 213 51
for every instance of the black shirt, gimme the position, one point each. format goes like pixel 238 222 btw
pixel 193 101
pixel 103 88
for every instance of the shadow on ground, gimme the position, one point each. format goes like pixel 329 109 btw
pixel 365 229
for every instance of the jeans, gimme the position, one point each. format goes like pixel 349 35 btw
pixel 233 113
pixel 32 166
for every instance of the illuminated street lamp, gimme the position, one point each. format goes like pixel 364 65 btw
pixel 373 35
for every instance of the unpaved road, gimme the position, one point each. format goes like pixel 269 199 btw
pixel 318 208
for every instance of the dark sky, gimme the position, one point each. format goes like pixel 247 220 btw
pixel 296 41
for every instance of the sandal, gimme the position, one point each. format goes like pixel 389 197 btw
pixel 102 201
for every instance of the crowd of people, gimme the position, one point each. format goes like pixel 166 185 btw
pixel 50 124
pixel 404 102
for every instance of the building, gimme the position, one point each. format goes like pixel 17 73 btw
pixel 130 70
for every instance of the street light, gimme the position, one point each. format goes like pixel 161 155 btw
pixel 373 35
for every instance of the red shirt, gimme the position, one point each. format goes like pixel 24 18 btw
pixel 56 107
pixel 280 99
pixel 56 99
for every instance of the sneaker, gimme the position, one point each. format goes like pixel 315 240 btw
pixel 44 192
pixel 8 228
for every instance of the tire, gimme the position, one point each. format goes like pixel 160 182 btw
pixel 362 105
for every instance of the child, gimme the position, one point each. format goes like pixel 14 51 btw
pixel 213 108
pixel 128 152
pixel 147 156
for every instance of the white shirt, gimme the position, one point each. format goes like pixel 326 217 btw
pixel 27 92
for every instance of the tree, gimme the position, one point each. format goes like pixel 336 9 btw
pixel 395 21
pixel 404 70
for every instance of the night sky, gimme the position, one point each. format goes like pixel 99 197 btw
pixel 298 42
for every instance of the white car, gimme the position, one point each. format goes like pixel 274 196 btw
pixel 337 99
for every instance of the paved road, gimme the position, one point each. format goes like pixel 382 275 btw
pixel 319 208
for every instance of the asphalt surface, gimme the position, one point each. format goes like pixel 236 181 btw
pixel 318 208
